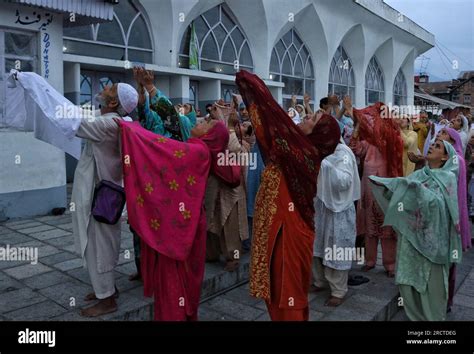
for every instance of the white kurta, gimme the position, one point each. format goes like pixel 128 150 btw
pixel 33 105
pixel 338 180
pixel 464 133
pixel 335 217
pixel 100 160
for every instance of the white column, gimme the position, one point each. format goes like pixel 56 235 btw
pixel 33 173
pixel 360 89
pixel 179 89
pixel 72 82
pixel 163 84
pixel 277 93
pixel 209 92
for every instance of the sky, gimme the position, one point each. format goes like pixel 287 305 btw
pixel 452 23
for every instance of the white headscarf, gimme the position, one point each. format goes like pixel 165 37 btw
pixel 432 137
pixel 471 134
pixel 296 119
pixel 463 133
pixel 303 110
pixel 338 180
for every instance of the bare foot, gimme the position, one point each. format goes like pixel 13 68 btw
pixel 333 301
pixel 315 289
pixel 90 297
pixel 231 266
pixel 103 307
pixel 135 276
pixel 390 273
pixel 367 268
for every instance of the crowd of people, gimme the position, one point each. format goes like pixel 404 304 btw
pixel 324 180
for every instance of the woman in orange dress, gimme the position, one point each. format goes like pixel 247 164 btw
pixel 284 212
pixel 379 145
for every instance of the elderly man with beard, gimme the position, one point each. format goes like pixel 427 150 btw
pixel 57 121
pixel 99 243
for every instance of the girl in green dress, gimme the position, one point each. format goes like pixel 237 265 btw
pixel 423 210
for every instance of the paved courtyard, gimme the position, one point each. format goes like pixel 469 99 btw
pixel 54 288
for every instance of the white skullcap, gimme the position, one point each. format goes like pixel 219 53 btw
pixel 127 96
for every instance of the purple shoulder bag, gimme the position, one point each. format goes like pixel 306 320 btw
pixel 108 202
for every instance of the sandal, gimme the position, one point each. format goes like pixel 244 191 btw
pixel 366 268
pixel 315 289
pixel 355 280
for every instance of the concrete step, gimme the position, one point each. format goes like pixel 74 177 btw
pixel 376 300
pixel 60 277
pixel 216 281
pixel 373 301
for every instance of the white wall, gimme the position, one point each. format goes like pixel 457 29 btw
pixel 42 166
pixel 323 25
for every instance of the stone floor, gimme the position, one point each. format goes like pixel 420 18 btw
pixel 54 288
pixel 373 301
pixel 463 305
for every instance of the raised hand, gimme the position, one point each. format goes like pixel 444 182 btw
pixel 306 104
pixel 347 100
pixel 148 77
pixel 415 158
pixel 333 100
pixel 235 102
pixel 317 116
pixel 347 106
pixel 444 122
pixel 136 75
pixel 293 101
pixel 306 99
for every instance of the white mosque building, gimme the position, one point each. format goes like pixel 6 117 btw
pixel 363 48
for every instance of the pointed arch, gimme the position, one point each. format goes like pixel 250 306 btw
pixel 400 89
pixel 220 42
pixel 341 74
pixel 134 42
pixel 374 82
pixel 291 63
